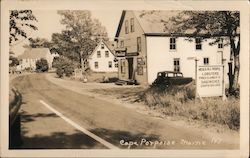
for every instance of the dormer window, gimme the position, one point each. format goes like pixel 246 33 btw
pixel 172 42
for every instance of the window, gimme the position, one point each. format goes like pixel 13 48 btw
pixel 102 46
pixel 198 43
pixel 96 65
pixel 220 44
pixel 116 64
pixel 138 44
pixel 206 61
pixel 110 64
pixel 123 66
pixel 126 27
pixel 139 70
pixel 106 54
pixel 172 43
pixel 176 64
pixel 122 44
pixel 132 26
pixel 98 54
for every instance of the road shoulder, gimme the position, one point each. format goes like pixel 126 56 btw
pixel 229 136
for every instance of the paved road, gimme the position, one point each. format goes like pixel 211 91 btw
pixel 54 117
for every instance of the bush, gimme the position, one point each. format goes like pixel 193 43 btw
pixel 59 72
pixel 68 70
pixel 179 101
pixel 42 65
pixel 63 66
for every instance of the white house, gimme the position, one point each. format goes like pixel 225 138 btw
pixel 31 55
pixel 145 47
pixel 102 58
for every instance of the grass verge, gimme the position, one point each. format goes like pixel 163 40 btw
pixel 179 101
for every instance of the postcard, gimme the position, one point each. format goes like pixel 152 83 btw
pixel 124 78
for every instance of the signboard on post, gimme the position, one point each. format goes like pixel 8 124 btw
pixel 210 80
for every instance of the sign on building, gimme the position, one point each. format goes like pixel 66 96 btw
pixel 210 80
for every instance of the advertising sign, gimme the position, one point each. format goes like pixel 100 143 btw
pixel 210 80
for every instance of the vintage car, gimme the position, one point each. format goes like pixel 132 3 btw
pixel 168 78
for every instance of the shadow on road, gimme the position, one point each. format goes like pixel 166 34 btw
pixel 60 140
pixel 32 117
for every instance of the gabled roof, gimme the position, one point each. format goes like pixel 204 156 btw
pixel 108 44
pixel 34 53
pixel 152 23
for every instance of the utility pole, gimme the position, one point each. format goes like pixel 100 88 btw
pixel 196 93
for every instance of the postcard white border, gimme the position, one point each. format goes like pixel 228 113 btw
pixel 242 6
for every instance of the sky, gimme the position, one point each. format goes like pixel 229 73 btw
pixel 49 23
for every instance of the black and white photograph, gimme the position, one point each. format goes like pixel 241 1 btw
pixel 124 79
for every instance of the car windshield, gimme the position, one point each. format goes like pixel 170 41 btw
pixel 178 75
pixel 170 75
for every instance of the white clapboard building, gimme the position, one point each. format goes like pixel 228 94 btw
pixel 102 58
pixel 145 47
pixel 31 55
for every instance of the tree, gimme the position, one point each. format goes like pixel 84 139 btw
pixel 80 36
pixel 42 65
pixel 210 24
pixel 13 61
pixel 63 66
pixel 38 43
pixel 20 21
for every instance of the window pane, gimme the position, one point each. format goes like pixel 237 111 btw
pixel 138 44
pixel 198 43
pixel 126 26
pixel 98 54
pixel 206 61
pixel 110 64
pixel 132 24
pixel 106 54
pixel 172 43
pixel 122 44
pixel 96 65
pixel 176 64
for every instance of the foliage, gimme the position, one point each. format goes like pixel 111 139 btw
pixel 215 24
pixel 59 72
pixel 208 24
pixel 42 65
pixel 177 101
pixel 38 43
pixel 13 61
pixel 80 36
pixel 20 21
pixel 64 66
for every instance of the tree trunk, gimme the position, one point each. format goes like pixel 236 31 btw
pixel 230 77
pixel 236 71
pixel 233 79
